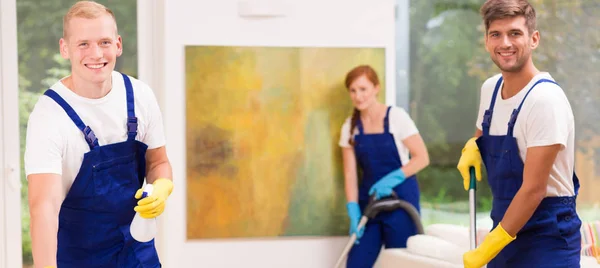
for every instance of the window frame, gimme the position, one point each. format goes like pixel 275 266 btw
pixel 10 187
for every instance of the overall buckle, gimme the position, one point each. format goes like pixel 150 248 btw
pixel 513 118
pixel 487 118
pixel 89 135
pixel 132 124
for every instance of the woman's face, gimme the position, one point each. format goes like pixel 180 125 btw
pixel 363 92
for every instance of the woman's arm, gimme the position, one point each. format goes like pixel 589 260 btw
pixel 419 155
pixel 351 180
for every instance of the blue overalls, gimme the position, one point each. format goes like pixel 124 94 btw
pixel 551 237
pixel 94 218
pixel 377 155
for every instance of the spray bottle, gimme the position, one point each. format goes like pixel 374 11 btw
pixel 141 229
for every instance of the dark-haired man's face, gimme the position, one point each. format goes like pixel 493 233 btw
pixel 510 44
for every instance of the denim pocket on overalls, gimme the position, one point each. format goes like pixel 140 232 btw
pixel 568 225
pixel 114 174
pixel 506 179
pixel 115 184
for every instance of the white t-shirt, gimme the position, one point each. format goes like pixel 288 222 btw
pixel 54 144
pixel 401 127
pixel 545 119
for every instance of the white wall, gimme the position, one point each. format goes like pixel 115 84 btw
pixel 177 23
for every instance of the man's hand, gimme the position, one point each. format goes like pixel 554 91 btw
pixel 493 243
pixel 470 157
pixel 154 205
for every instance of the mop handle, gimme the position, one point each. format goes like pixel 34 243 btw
pixel 472 209
pixel 361 224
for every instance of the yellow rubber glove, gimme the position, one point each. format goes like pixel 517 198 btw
pixel 470 157
pixel 493 243
pixel 154 205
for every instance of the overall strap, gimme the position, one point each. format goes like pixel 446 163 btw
pixel 515 113
pixel 487 116
pixel 88 133
pixel 132 122
pixel 359 126
pixel 386 121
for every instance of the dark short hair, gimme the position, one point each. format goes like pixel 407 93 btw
pixel 493 10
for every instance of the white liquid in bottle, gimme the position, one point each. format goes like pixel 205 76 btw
pixel 141 229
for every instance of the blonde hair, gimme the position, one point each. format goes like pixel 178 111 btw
pixel 86 10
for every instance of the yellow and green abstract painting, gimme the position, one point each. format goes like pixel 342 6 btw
pixel 262 131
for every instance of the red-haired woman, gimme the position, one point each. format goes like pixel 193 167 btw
pixel 379 139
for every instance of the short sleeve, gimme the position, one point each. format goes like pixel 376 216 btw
pixel 154 136
pixel 549 120
pixel 345 135
pixel 401 124
pixel 43 143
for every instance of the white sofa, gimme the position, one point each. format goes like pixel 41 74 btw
pixel 441 246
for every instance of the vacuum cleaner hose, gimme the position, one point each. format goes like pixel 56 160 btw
pixel 393 203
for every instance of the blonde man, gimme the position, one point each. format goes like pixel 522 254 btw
pixel 92 139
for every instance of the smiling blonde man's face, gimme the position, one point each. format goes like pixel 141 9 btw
pixel 92 45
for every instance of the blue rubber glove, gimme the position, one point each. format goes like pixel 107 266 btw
pixel 355 215
pixel 385 185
